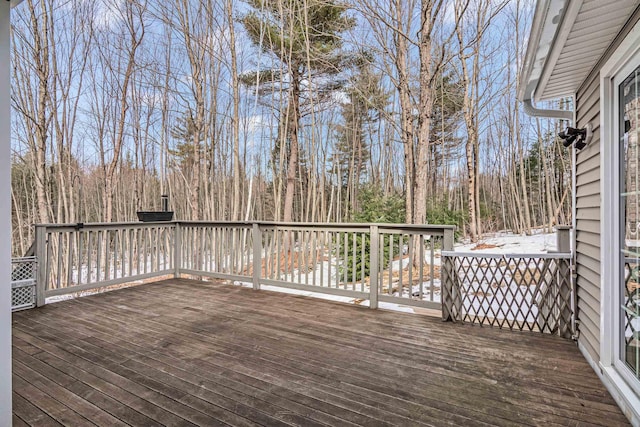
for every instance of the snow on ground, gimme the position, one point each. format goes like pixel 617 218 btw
pixel 510 243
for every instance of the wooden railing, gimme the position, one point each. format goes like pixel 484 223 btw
pixel 374 264
pixel 369 262
pixel 76 258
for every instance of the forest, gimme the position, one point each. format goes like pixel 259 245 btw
pixel 400 111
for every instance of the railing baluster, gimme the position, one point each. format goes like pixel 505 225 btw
pixel 123 252
pixel 374 276
pixel 330 257
pixel 382 246
pixel 79 233
pixel 257 255
pixel 391 264
pixel 70 260
pixel 145 249
pixel 201 265
pixel 303 262
pixel 321 241
pixel 296 256
pixel 131 241
pixel 422 261
pixel 353 260
pixel 47 261
pixel 208 232
pixel 216 249
pixel 43 266
pixel 432 256
pixel 314 250
pixel 401 265
pixel 89 250
pixel 156 242
pixel 59 263
pixel 345 259
pixel 363 241
pixel 411 264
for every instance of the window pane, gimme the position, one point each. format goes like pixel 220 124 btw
pixel 630 225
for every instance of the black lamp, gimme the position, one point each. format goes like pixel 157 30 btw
pixel 577 137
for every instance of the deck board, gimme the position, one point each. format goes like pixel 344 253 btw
pixel 182 352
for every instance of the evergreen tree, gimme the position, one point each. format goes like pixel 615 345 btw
pixel 366 100
pixel 447 114
pixel 183 132
pixel 303 38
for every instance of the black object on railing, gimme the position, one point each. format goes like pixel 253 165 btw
pixel 153 216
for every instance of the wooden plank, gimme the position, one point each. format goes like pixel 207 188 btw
pixel 52 407
pixel 18 422
pixel 73 401
pixel 30 413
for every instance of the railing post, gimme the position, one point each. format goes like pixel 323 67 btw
pixel 177 250
pixel 565 299
pixel 446 285
pixel 563 237
pixel 565 285
pixel 447 243
pixel 374 268
pixel 42 265
pixel 257 256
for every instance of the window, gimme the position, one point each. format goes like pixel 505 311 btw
pixel 629 131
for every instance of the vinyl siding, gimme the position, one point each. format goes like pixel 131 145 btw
pixel 588 220
pixel 588 201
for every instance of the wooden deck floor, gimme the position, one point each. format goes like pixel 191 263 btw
pixel 182 352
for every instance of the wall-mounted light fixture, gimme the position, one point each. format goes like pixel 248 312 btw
pixel 578 137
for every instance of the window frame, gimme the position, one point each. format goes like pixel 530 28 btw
pixel 622 63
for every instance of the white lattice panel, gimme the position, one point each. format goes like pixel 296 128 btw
pixel 23 283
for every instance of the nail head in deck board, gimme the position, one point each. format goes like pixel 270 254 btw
pixel 296 359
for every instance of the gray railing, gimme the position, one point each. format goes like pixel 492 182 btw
pixel 374 264
pixel 515 291
pixel 370 262
pixel 76 258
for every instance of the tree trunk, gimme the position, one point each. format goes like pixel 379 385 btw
pixel 292 161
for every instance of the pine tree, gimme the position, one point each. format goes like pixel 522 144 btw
pixel 366 100
pixel 183 132
pixel 303 38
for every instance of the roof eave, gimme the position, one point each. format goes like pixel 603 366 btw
pixel 548 18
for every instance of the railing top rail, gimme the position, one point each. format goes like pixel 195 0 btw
pixel 104 225
pixel 550 255
pixel 23 259
pixel 326 224
pixel 383 226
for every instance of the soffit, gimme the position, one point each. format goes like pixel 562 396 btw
pixel 580 41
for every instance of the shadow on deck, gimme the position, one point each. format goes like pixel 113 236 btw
pixel 183 352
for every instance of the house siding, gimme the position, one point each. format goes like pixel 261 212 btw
pixel 588 219
pixel 588 202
